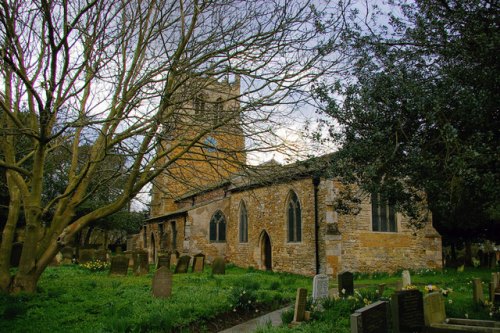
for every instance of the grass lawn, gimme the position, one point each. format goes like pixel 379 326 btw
pixel 73 299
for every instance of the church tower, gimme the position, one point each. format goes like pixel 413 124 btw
pixel 203 138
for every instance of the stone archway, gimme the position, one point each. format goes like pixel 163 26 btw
pixel 266 252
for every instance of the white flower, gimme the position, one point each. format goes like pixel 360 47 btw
pixel 450 301
pixel 343 290
pixel 467 316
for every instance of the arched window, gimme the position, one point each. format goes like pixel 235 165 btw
pixel 383 214
pixel 243 223
pixel 199 104
pixel 218 227
pixel 294 217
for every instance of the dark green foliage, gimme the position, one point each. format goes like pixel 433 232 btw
pixel 421 115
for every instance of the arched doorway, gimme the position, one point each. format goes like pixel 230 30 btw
pixel 266 252
pixel 153 248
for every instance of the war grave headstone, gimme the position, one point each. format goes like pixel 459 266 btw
pixel 198 263
pixel 373 318
pixel 320 287
pixel 477 291
pixel 219 266
pixel 86 255
pixel 162 283
pixel 406 278
pixel 345 283
pixel 300 306
pixel 436 321
pixel 163 261
pixel 141 263
pixel 182 264
pixel 407 311
pixel 119 265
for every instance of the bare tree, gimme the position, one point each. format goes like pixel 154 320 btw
pixel 111 76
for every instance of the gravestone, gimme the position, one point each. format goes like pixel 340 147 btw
pixel 320 287
pixel 67 254
pixel 219 266
pixel 381 289
pixel 173 258
pixel 119 265
pixel 101 255
pixel 477 291
pixel 434 312
pixel 198 263
pixel 406 278
pixel 373 318
pixel 141 263
pixel 346 283
pixel 300 305
pixel 163 261
pixel 86 255
pixel 407 311
pixel 130 256
pixel 182 264
pixel 162 283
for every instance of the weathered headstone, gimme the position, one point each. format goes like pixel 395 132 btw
pixel 300 305
pixel 373 318
pixel 141 263
pixel 434 312
pixel 162 283
pixel 101 255
pixel 219 266
pixel 408 311
pixel 86 255
pixel 119 265
pixel 345 283
pixel 381 289
pixel 173 258
pixel 163 261
pixel 477 291
pixel 320 287
pixel 67 253
pixel 198 263
pixel 130 256
pixel 182 264
pixel 406 278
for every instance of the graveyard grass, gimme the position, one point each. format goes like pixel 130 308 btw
pixel 72 298
pixel 75 299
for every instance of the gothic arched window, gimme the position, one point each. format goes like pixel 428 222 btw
pixel 243 223
pixel 218 227
pixel 294 218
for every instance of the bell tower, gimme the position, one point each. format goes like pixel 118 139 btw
pixel 204 141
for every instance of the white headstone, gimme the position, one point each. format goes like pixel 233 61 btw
pixel 406 278
pixel 320 287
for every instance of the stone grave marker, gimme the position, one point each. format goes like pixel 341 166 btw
pixel 373 318
pixel 67 254
pixel 162 283
pixel 198 263
pixel 119 265
pixel 141 263
pixel 101 255
pixel 320 287
pixel 86 255
pixel 407 311
pixel 346 283
pixel 300 306
pixel 381 289
pixel 182 264
pixel 477 291
pixel 163 261
pixel 406 278
pixel 130 256
pixel 219 266
pixel 434 312
pixel 173 258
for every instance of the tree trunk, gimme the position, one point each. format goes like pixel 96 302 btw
pixel 24 283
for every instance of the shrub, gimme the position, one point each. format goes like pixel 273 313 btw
pixel 95 265
pixel 243 300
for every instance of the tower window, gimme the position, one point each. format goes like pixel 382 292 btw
pixel 218 109
pixel 383 214
pixel 199 105
pixel 218 227
pixel 243 223
pixel 294 217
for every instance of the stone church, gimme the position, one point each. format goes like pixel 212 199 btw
pixel 271 217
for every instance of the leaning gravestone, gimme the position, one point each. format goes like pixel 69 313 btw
pixel 162 283
pixel 182 264
pixel 406 278
pixel 163 261
pixel 346 283
pixel 119 266
pixel 407 311
pixel 320 287
pixel 300 306
pixel 373 318
pixel 198 263
pixel 141 263
pixel 477 291
pixel 219 266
